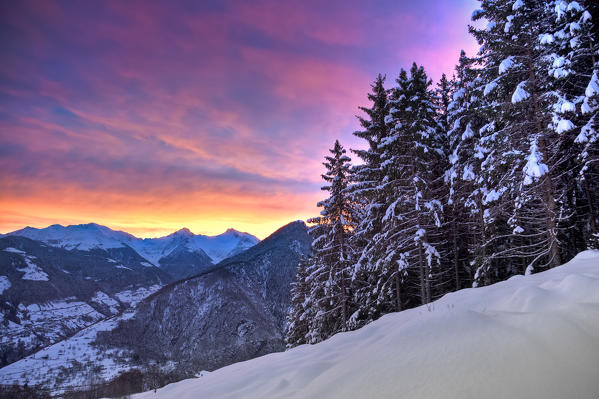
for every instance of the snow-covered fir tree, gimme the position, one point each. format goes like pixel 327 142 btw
pixel 495 173
pixel 465 204
pixel 365 193
pixel 573 67
pixel 300 309
pixel 523 144
pixel 407 242
pixel 330 278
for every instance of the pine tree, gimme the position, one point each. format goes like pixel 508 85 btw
pixel 466 204
pixel 573 66
pixel 495 173
pixel 521 146
pixel 412 220
pixel 299 314
pixel 330 280
pixel 451 278
pixel 365 192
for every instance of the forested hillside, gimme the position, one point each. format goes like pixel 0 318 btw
pixel 490 174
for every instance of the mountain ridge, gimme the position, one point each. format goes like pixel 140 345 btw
pixel 229 312
pixel 93 235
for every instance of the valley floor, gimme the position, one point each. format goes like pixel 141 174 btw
pixel 528 337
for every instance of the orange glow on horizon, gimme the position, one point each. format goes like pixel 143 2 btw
pixel 150 119
pixel 151 217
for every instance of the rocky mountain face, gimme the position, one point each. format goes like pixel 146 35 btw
pixel 232 313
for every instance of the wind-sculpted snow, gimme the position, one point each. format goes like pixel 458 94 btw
pixel 529 337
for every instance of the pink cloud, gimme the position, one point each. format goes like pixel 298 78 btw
pixel 119 103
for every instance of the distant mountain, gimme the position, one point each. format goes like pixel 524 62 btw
pixel 82 236
pixel 219 247
pixel 232 311
pixel 181 253
pixel 58 280
pixel 49 293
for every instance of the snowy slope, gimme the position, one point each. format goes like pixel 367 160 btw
pixel 66 364
pixel 528 337
pixel 48 293
pixel 87 236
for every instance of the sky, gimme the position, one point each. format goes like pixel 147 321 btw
pixel 150 116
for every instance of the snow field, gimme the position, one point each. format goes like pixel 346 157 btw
pixel 529 337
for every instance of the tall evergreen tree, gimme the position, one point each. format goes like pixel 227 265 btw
pixel 466 204
pixel 573 67
pixel 365 192
pixel 494 174
pixel 330 280
pixel 521 158
pixel 412 219
pixel 300 309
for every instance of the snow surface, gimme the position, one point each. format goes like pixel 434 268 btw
pixel 520 94
pixel 4 284
pixel 50 366
pixel 63 365
pixel 45 323
pixel 104 299
pixel 534 167
pixel 31 270
pixel 506 64
pixel 133 297
pixel 593 87
pixel 14 250
pixel 546 38
pixel 489 88
pixel 527 337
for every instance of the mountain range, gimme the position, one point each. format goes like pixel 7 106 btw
pixel 92 235
pixel 86 300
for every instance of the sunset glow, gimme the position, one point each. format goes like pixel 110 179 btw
pixel 151 116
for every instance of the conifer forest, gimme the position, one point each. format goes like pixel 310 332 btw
pixel 489 173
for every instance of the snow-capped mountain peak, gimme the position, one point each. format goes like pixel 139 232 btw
pixel 81 236
pixel 92 235
pixel 184 232
pixel 233 232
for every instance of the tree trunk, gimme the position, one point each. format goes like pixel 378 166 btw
pixel 592 215
pixel 546 183
pixel 456 267
pixel 398 292
pixel 423 278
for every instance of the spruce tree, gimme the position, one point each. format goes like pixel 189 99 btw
pixel 521 145
pixel 573 67
pixel 365 192
pixel 411 223
pixel 466 204
pixel 330 279
pixel 299 314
